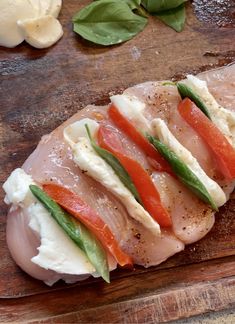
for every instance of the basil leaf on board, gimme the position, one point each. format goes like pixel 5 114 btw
pixel 174 18
pixel 82 237
pixel 133 4
pixel 156 6
pixel 186 91
pixel 108 22
pixel 183 172
pixel 116 166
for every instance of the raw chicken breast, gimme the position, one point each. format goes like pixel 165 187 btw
pixel 58 167
pixel 19 234
pixel 52 162
pixel 191 218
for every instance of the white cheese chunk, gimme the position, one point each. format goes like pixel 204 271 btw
pixel 31 20
pixel 55 7
pixel 17 190
pixel 41 32
pixel 57 251
pixel 37 6
pixel 166 137
pixel 49 7
pixel 223 118
pixel 87 159
pixel 76 130
pixel 133 109
pixel 10 12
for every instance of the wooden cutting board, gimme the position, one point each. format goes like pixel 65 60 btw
pixel 39 89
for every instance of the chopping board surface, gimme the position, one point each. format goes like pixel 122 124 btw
pixel 39 89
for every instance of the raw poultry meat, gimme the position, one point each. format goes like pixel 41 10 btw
pixel 52 162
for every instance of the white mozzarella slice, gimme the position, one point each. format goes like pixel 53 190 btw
pixel 166 137
pixel 17 190
pixel 87 159
pixel 223 118
pixel 57 251
pixel 133 109
pixel 10 12
pixel 41 32
pixel 76 130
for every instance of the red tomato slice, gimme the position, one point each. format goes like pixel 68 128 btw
pixel 149 195
pixel 123 123
pixel 80 210
pixel 218 143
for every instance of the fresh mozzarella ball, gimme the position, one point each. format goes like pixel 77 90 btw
pixel 41 32
pixel 30 20
pixel 55 7
pixel 49 7
pixel 10 12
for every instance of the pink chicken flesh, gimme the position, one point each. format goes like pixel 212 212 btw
pixel 192 219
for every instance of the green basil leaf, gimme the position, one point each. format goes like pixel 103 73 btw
pixel 82 237
pixel 116 166
pixel 133 4
pixel 137 8
pixel 168 83
pixel 108 22
pixel 183 172
pixel 156 6
pixel 174 18
pixel 186 91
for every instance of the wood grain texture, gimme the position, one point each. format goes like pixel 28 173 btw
pixel 155 309
pixel 164 287
pixel 41 88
